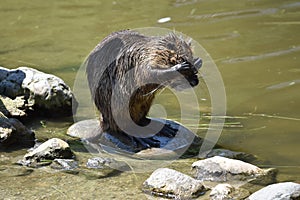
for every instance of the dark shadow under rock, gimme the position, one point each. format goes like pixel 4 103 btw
pixel 14 134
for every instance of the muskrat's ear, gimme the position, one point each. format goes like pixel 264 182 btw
pixel 189 42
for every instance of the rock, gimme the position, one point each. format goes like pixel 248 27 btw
pixel 169 183
pixel 104 163
pixel 157 154
pixel 228 154
pixel 13 107
pixel 278 191
pixel 84 129
pixel 172 147
pixel 47 152
pixel 38 89
pixel 221 169
pixel 12 132
pixel 64 164
pixel 226 191
pixel 222 191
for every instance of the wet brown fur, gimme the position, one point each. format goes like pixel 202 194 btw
pixel 121 52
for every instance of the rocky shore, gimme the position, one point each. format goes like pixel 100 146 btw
pixel 219 174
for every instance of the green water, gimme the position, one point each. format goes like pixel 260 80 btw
pixel 255 44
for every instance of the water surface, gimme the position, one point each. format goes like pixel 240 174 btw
pixel 255 45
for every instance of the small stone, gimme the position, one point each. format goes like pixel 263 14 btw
pixel 64 164
pixel 98 162
pixel 105 163
pixel 169 183
pixel 278 191
pixel 157 154
pixel 85 129
pixel 222 191
pixel 225 191
pixel 47 152
pixel 221 169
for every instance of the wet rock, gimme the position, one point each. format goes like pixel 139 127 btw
pixel 228 154
pixel 13 132
pixel 64 164
pixel 105 163
pixel 38 89
pixel 45 153
pixel 84 129
pixel 13 107
pixel 169 183
pixel 278 191
pixel 157 154
pixel 173 147
pixel 221 169
pixel 226 191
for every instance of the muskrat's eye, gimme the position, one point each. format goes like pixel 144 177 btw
pixel 173 60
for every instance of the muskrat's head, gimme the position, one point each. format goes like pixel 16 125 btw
pixel 174 52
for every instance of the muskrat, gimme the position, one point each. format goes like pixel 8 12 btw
pixel 124 73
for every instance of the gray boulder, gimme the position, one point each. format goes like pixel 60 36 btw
pixel 278 191
pixel 45 153
pixel 38 89
pixel 169 183
pixel 221 169
pixel 12 132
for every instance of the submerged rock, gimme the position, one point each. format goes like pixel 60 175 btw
pixel 221 169
pixel 40 91
pixel 169 183
pixel 12 132
pixel 104 163
pixel 47 152
pixel 228 154
pixel 225 191
pixel 85 129
pixel 64 164
pixel 278 191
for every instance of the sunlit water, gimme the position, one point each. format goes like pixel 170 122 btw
pixel 255 45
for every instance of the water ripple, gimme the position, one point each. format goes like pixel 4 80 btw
pixel 262 56
pixel 236 14
pixel 283 85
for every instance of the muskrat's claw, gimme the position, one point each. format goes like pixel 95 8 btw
pixel 197 63
pixel 181 66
